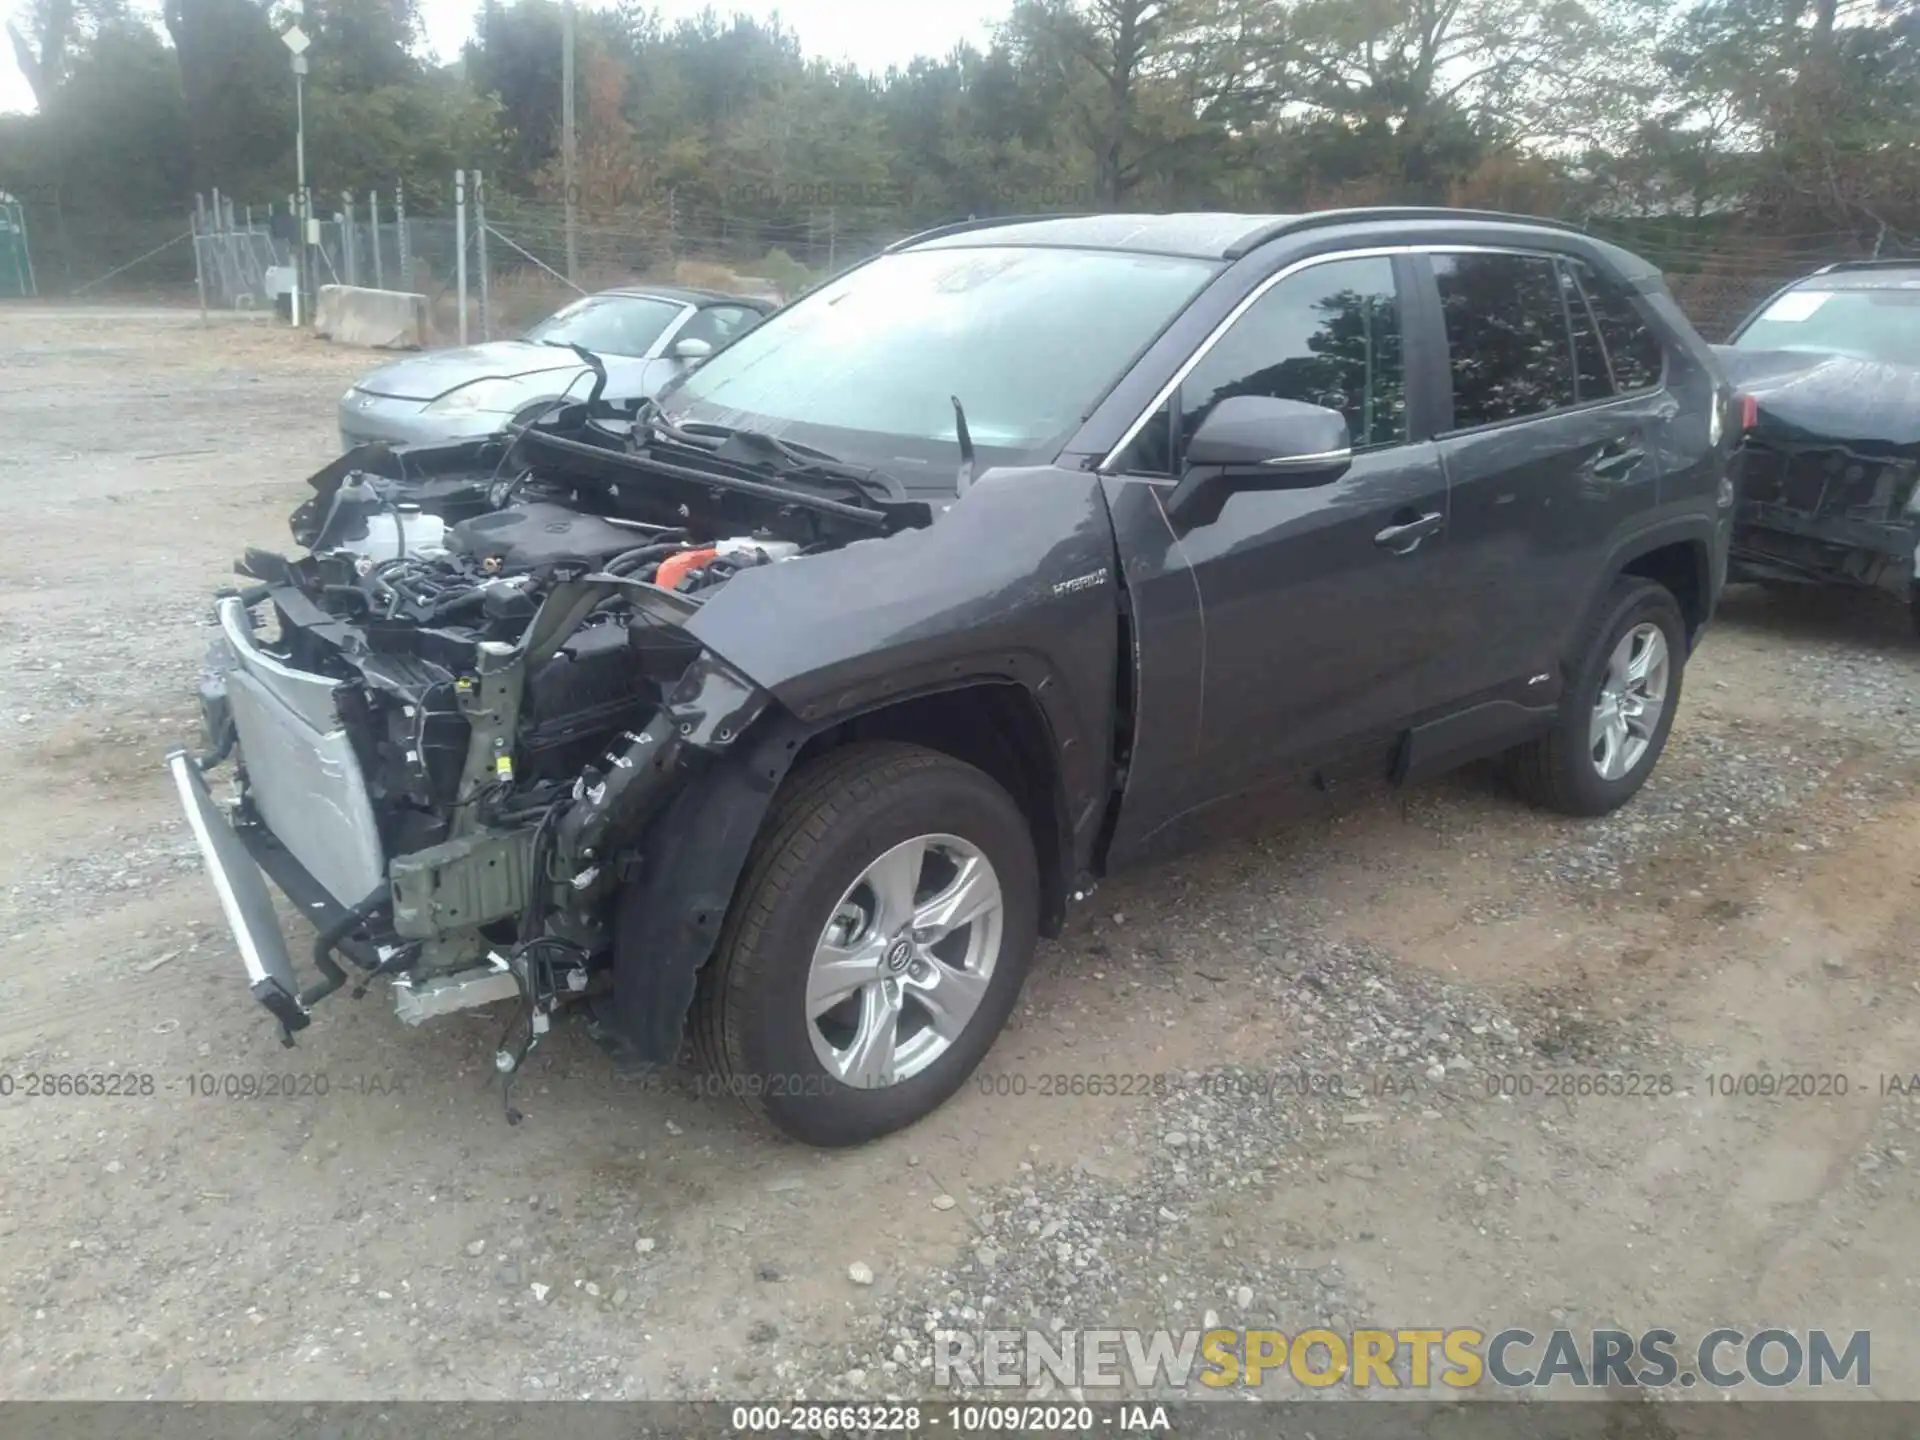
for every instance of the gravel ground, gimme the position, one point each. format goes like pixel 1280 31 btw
pixel 1256 1084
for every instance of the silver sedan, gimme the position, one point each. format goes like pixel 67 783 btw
pixel 645 336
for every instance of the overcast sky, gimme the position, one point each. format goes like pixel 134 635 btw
pixel 871 33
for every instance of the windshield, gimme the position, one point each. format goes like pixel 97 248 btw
pixel 609 324
pixel 1028 339
pixel 1881 325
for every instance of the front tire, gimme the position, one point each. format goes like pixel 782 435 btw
pixel 885 924
pixel 1618 710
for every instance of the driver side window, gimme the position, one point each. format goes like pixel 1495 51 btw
pixel 1328 335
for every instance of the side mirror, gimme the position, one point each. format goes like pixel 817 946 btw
pixel 1255 442
pixel 691 348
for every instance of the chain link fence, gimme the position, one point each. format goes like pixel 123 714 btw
pixel 141 257
pixel 518 254
pixel 517 262
pixel 517 258
pixel 1718 279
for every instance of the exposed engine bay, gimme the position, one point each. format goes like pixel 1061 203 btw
pixel 453 716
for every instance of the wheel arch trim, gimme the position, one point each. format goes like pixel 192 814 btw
pixel 692 855
pixel 1696 534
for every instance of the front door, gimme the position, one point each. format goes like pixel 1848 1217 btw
pixel 1281 642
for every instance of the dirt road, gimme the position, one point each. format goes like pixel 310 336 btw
pixel 1447 955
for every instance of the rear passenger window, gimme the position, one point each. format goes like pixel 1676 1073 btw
pixel 1328 335
pixel 1507 337
pixel 1589 360
pixel 1632 347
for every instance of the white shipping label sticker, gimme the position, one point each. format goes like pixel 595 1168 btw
pixel 1797 306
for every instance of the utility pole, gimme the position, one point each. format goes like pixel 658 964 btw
pixel 305 273
pixel 373 229
pixel 566 142
pixel 198 221
pixel 219 254
pixel 349 238
pixel 460 240
pixel 479 183
pixel 400 234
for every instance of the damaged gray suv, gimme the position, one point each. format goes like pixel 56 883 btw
pixel 788 709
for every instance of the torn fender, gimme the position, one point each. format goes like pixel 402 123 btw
pixel 1015 582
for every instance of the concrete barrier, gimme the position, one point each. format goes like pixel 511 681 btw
pixel 382 319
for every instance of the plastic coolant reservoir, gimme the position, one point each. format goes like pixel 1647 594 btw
pixel 386 529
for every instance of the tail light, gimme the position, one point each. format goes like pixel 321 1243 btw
pixel 1749 412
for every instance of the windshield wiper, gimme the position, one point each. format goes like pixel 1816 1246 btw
pixel 756 450
pixel 718 479
pixel 648 417
pixel 795 458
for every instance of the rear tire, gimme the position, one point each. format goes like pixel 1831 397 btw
pixel 821 909
pixel 1605 744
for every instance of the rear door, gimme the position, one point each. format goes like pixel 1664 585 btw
pixel 1282 641
pixel 1546 454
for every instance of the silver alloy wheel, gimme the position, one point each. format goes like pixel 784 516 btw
pixel 1633 695
pixel 903 964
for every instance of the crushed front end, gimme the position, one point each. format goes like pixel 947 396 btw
pixel 1828 471
pixel 451 719
pixel 1816 509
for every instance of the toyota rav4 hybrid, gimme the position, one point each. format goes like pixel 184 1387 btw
pixel 791 707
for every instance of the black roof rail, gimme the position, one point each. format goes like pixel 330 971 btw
pixel 983 222
pixel 1319 219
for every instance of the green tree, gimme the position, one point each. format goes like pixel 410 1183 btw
pixel 418 134
pixel 515 57
pixel 122 124
pixel 52 32
pixel 1803 109
pixel 976 134
pixel 238 90
pixel 1153 88
pixel 361 45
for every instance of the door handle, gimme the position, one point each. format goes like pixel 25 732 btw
pixel 1618 459
pixel 1402 538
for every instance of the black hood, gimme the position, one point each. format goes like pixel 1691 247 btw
pixel 1805 396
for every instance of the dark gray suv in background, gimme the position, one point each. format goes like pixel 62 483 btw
pixel 797 704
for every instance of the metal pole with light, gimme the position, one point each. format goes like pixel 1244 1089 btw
pixel 295 39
